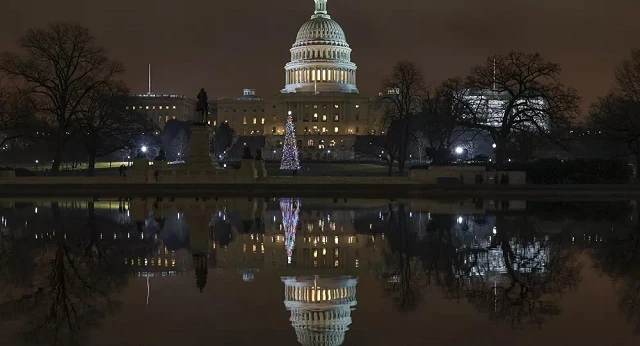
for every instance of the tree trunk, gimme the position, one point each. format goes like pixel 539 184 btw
pixel 637 175
pixel 57 160
pixel 500 154
pixel 91 168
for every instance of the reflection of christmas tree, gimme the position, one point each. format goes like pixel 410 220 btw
pixel 290 159
pixel 290 208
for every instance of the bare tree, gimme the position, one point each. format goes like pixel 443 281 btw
pixel 401 97
pixel 59 66
pixel 616 114
pixel 105 124
pixel 179 147
pixel 439 118
pixel 514 93
pixel 16 117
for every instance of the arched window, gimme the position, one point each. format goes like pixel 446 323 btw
pixel 332 143
pixel 321 144
pixel 310 143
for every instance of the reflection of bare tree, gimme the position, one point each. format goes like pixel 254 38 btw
pixel 516 275
pixel 520 276
pixel 404 276
pixel 72 282
pixel 620 259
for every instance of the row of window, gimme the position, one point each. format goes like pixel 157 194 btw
pixel 292 106
pixel 152 107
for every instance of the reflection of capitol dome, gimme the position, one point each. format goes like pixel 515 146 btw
pixel 320 307
pixel 320 57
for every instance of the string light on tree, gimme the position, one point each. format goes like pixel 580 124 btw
pixel 290 159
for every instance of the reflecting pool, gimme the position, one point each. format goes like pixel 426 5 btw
pixel 304 271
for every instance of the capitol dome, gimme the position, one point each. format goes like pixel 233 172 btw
pixel 320 57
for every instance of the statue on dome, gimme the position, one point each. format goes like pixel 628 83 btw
pixel 202 107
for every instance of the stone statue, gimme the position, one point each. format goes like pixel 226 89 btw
pixel 202 107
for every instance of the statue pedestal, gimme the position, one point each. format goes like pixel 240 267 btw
pixel 199 156
pixel 261 170
pixel 140 170
pixel 246 173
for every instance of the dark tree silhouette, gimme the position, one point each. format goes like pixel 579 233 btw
pixel 531 99
pixel 59 66
pixel 105 124
pixel 401 98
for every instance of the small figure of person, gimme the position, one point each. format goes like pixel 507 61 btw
pixel 156 175
pixel 121 170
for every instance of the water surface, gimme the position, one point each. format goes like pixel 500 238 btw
pixel 290 271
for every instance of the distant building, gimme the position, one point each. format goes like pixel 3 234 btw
pixel 162 108
pixel 492 104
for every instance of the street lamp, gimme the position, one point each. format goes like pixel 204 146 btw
pixel 459 150
pixel 179 157
pixel 289 112
pixel 494 145
pixel 144 148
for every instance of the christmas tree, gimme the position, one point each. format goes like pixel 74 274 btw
pixel 290 208
pixel 290 159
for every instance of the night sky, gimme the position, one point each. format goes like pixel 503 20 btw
pixel 225 46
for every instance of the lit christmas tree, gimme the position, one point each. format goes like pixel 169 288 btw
pixel 290 161
pixel 290 208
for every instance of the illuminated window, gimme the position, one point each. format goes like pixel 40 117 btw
pixel 244 120
pixel 335 240
pixel 127 107
pixel 315 116
pixel 174 107
pixel 173 117
pixel 274 117
pixel 336 263
pixel 332 143
pixel 357 106
pixel 147 107
pixel 214 122
pixel 337 106
pixel 315 106
pixel 154 107
pixel 324 75
pixel 134 107
pixel 315 128
pixel 310 143
pixel 336 117
pixel 335 129
pixel 166 118
pixel 324 129
pixel 160 107
pixel 324 118
pixel 262 121
pixel 255 121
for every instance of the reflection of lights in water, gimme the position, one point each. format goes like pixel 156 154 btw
pixel 148 289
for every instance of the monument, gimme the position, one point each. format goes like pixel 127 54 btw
pixel 200 158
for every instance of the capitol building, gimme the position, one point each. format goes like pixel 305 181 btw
pixel 320 93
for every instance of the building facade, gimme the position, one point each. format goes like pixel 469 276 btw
pixel 320 93
pixel 162 108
